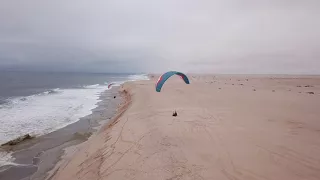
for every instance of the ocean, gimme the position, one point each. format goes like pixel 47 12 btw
pixel 38 103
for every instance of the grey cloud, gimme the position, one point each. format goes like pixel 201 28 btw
pixel 235 36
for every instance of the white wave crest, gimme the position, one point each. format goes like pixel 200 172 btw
pixel 6 158
pixel 41 114
pixel 138 77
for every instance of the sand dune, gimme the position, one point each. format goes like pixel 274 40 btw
pixel 228 127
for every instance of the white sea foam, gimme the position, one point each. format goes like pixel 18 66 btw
pixel 43 113
pixel 5 158
pixel 92 86
pixel 48 111
pixel 137 77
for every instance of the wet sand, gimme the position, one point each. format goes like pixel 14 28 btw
pixel 228 127
pixel 36 157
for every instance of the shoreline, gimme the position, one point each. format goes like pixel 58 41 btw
pixel 72 150
pixel 35 158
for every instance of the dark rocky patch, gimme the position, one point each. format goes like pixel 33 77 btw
pixel 18 140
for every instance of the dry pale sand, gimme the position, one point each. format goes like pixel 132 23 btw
pixel 228 127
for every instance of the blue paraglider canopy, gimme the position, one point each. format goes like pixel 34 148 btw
pixel 164 77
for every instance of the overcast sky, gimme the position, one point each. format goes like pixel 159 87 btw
pixel 215 36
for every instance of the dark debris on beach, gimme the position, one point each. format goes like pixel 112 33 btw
pixel 175 114
pixel 18 140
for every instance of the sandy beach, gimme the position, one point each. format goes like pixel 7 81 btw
pixel 227 128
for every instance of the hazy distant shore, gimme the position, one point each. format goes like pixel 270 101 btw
pixel 239 127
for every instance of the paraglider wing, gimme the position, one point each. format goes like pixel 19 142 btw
pixel 109 86
pixel 163 78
